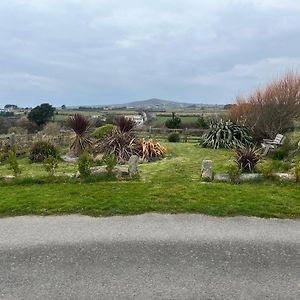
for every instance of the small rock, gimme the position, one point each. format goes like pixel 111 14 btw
pixel 70 158
pixel 121 171
pixel 285 176
pixel 221 177
pixel 98 170
pixel 250 176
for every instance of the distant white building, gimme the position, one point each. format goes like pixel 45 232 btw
pixel 138 119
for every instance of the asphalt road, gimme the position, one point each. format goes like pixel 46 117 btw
pixel 149 257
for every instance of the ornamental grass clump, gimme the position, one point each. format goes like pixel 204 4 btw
pixel 149 149
pixel 81 141
pixel 226 134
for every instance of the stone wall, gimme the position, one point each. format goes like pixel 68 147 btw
pixel 24 142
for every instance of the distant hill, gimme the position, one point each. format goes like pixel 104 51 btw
pixel 154 103
pixel 157 103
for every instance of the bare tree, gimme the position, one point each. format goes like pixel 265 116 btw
pixel 272 109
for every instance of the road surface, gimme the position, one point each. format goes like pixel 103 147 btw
pixel 149 256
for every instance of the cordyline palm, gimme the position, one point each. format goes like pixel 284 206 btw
pixel 81 127
pixel 121 142
pixel 247 157
pixel 125 124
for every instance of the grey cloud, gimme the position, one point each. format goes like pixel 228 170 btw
pixel 94 52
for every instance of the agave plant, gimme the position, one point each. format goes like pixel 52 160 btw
pixel 226 134
pixel 247 157
pixel 81 141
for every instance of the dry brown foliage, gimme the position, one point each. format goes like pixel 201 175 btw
pixel 148 149
pixel 272 109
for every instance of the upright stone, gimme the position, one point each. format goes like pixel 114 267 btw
pixel 133 165
pixel 207 172
pixel 12 139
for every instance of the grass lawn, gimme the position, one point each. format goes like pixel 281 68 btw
pixel 171 185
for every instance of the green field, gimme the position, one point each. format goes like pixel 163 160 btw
pixel 171 185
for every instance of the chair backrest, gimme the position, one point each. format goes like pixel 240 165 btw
pixel 279 139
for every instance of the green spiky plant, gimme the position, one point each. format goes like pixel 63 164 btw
pixel 247 157
pixel 81 141
pixel 226 134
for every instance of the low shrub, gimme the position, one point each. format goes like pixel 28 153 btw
pixel 103 131
pixel 110 161
pixel 17 130
pixel 247 158
pixel 42 150
pixel 234 173
pixel 174 122
pixel 270 167
pixel 50 165
pixel 202 123
pixel 85 163
pixel 279 154
pixel 52 129
pixel 13 163
pixel 174 137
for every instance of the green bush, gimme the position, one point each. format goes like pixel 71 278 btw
pixel 50 165
pixel 103 131
pixel 269 167
pixel 174 122
pixel 84 164
pixel 111 161
pixel 13 163
pixel 226 134
pixel 280 153
pixel 42 150
pixel 174 137
pixel 202 123
pixel 234 173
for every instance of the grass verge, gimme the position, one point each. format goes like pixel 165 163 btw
pixel 171 185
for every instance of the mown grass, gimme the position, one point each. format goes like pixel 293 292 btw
pixel 171 185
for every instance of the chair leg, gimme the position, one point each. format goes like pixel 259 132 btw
pixel 267 149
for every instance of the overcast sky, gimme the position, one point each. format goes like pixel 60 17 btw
pixel 112 51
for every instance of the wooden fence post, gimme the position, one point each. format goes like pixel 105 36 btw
pixel 150 132
pixel 186 135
